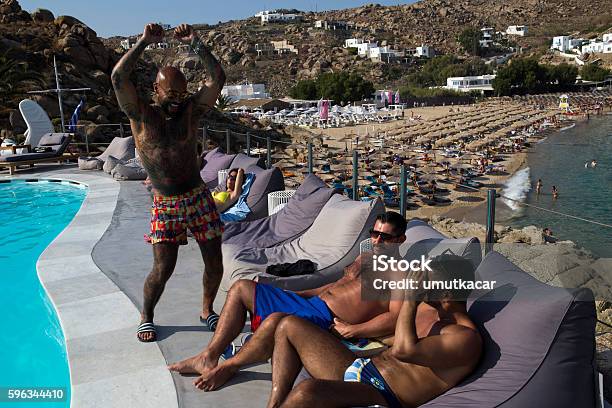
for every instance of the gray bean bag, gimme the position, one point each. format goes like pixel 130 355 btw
pixel 332 242
pixel 266 181
pixel 121 148
pixel 214 161
pixel 90 163
pixel 130 170
pixel 295 218
pixel 539 344
pixel 423 239
pixel 242 161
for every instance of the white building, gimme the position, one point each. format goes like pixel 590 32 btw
pixel 593 46
pixel 245 91
pixel 471 83
pixel 160 46
pixel 517 30
pixel 268 16
pixel 424 51
pixel 383 54
pixel 488 34
pixel 283 47
pixel 128 43
pixel 353 42
pixel 333 25
pixel 561 43
pixel 576 44
pixel 363 49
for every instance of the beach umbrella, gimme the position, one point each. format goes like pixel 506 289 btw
pixel 429 177
pixel 296 146
pixel 281 155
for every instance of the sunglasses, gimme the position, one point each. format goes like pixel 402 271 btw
pixel 231 177
pixel 172 93
pixel 383 235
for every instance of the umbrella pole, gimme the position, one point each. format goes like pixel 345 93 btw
pixel 403 191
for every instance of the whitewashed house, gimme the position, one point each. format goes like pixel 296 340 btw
pixel 517 30
pixel 245 91
pixel 128 43
pixel 352 42
pixel 383 54
pixel 268 16
pixel 424 51
pixel 482 83
pixel 593 46
pixel 333 25
pixel 283 47
pixel 363 49
pixel 575 44
pixel 488 35
pixel 561 43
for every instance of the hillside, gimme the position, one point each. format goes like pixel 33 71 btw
pixel 87 60
pixel 432 22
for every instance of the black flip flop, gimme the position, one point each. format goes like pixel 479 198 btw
pixel 147 327
pixel 211 321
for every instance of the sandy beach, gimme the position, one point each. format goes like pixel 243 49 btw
pixel 462 202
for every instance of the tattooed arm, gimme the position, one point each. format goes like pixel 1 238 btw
pixel 206 97
pixel 124 88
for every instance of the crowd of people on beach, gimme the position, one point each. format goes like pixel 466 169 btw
pixel 431 343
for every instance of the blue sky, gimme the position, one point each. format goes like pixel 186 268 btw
pixel 127 17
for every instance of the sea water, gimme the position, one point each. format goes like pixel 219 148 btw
pixel 584 192
pixel 32 345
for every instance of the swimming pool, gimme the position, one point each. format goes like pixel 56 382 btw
pixel 32 345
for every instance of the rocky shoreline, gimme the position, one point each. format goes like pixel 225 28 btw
pixel 562 264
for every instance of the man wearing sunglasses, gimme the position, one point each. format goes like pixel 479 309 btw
pixel 338 307
pixel 166 138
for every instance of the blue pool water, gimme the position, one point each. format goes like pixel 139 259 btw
pixel 32 346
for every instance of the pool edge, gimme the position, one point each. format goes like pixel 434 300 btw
pixel 120 373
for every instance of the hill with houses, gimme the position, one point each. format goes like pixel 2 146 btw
pixel 280 51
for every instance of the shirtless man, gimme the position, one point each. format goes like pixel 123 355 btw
pixel 337 304
pixel 436 345
pixel 166 139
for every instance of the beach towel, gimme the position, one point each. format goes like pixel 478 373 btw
pixel 240 210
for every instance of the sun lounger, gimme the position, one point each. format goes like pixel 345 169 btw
pixel 287 224
pixel 51 146
pixel 37 120
pixel 332 242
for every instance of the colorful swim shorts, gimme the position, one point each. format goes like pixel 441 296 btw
pixel 195 210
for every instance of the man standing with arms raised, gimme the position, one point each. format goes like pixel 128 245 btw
pixel 166 138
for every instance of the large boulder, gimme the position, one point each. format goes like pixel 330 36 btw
pixel 42 16
pixel 80 56
pixel 10 12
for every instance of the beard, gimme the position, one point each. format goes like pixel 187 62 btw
pixel 172 108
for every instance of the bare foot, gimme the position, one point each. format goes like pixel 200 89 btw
pixel 198 364
pixel 215 377
pixel 146 332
